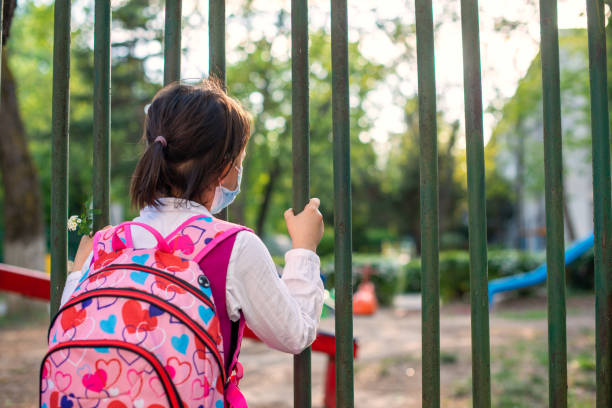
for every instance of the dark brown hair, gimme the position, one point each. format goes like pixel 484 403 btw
pixel 205 131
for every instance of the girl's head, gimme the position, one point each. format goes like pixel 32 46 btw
pixel 204 135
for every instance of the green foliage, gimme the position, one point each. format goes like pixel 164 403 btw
pixel 455 270
pixel 386 273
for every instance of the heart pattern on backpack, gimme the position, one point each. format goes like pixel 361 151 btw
pixel 146 343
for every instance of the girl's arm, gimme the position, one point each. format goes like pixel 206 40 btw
pixel 283 312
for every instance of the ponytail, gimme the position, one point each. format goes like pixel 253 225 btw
pixel 150 178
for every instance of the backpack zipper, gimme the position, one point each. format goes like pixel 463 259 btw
pixel 166 306
pixel 167 384
pixel 179 282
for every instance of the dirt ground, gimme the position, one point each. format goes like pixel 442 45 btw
pixel 387 370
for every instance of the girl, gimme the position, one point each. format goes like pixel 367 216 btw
pixel 195 139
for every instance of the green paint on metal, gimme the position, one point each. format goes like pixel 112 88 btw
pixel 216 52
pixel 342 204
pixel 216 38
pixel 101 125
pixel 601 200
pixel 553 173
pixel 481 367
pixel 430 275
pixel 59 150
pixel 172 42
pixel 1 28
pixel 302 393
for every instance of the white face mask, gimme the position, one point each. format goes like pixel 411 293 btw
pixel 224 196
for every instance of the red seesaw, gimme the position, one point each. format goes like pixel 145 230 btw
pixel 36 285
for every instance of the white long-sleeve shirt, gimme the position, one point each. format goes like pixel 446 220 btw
pixel 283 311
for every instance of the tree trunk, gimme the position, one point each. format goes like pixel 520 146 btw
pixel 24 239
pixel 265 205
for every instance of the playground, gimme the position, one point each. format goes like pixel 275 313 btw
pixel 454 198
pixel 387 370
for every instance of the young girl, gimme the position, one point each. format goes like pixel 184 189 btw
pixel 195 139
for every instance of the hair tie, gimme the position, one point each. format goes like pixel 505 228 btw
pixel 161 140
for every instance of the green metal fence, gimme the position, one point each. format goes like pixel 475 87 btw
pixel 342 193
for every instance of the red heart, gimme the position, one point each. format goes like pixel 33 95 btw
pixel 104 258
pixel 170 261
pixel 163 285
pixel 95 381
pixel 72 317
pixel 116 404
pixel 137 318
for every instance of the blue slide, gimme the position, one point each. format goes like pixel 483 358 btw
pixel 538 275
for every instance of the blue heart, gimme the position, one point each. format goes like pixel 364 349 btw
pixel 54 338
pixel 206 218
pixel 180 343
pixel 66 403
pixel 219 404
pixel 139 277
pixel 206 313
pixel 108 325
pixel 206 291
pixel 104 350
pixel 140 259
pixel 44 405
pixel 207 240
pixel 155 311
pixel 86 303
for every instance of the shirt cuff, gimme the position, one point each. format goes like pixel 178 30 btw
pixel 303 255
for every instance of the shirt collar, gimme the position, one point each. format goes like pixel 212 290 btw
pixel 175 204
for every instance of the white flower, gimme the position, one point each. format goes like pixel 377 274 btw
pixel 73 222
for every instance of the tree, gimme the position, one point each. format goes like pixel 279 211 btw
pixel 24 239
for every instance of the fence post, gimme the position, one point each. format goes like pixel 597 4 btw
pixel 101 113
pixel 555 248
pixel 342 204
pixel 172 41
pixel 1 30
pixel 430 275
pixel 216 39
pixel 601 200
pixel 59 150
pixel 302 394
pixel 481 367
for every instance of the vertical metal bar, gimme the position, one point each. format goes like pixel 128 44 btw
pixel 172 42
pixel 302 394
pixel 601 200
pixel 342 204
pixel 216 39
pixel 555 248
pixel 101 125
pixel 1 30
pixel 481 368
pixel 216 51
pixel 430 275
pixel 59 150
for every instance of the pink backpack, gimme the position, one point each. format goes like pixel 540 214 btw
pixel 142 330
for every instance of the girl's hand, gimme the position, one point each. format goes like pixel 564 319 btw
pixel 83 252
pixel 306 228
